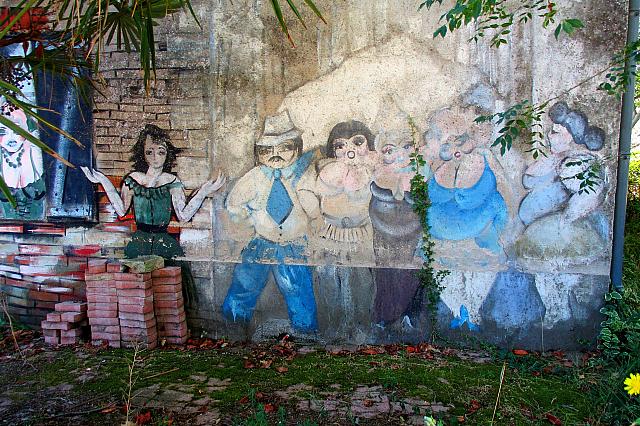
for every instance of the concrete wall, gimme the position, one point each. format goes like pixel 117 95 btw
pixel 528 254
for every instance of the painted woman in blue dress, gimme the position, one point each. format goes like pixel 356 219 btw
pixel 465 201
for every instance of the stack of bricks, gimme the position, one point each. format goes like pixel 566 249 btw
pixel 34 277
pixel 129 308
pixel 169 305
pixel 136 315
pixel 65 325
pixel 102 302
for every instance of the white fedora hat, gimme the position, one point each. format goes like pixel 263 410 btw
pixel 277 129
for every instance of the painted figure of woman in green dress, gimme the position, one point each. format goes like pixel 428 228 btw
pixel 154 191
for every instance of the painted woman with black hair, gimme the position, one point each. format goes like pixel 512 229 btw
pixel 561 216
pixel 343 187
pixel 154 192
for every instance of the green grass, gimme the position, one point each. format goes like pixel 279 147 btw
pixel 447 380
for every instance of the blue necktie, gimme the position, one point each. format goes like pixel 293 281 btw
pixel 279 203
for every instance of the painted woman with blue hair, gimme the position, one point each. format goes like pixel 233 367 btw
pixel 560 214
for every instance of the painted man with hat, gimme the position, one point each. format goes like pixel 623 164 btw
pixel 277 198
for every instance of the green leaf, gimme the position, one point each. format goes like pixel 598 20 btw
pixel 313 7
pixel 7 192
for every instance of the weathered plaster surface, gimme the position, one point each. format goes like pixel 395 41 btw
pixel 512 282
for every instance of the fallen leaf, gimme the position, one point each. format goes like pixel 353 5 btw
pixel 282 369
pixel 461 419
pixel 553 419
pixel 367 403
pixel 109 409
pixel 412 349
pixel 269 408
pixel 143 418
pixel 266 363
pixel 370 350
pixel 475 406
pixel 249 364
pixel 244 400
pixel 520 352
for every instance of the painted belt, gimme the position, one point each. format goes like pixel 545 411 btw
pixel 154 229
pixel 346 222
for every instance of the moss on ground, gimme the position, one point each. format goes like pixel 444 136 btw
pixel 447 380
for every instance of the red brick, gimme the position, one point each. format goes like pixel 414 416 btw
pixel 71 298
pixel 74 332
pixel 169 312
pixel 48 325
pixel 167 296
pixel 102 307
pixel 115 267
pixel 136 317
pixel 73 316
pixel 19 301
pixel 69 340
pixel 106 276
pixel 137 309
pixel 97 266
pixel 173 327
pixel 114 329
pixel 51 340
pixel 19 283
pixel 177 288
pixel 107 291
pixel 53 317
pixel 71 307
pixel 174 304
pixel 92 250
pixel 137 324
pixel 180 333
pixel 40 249
pixel 167 271
pixel 98 335
pixel 50 333
pixel 101 314
pixel 102 298
pixel 135 293
pixel 173 318
pixel 45 305
pixel 135 300
pixel 131 285
pixel 167 281
pixel 57 290
pixel 122 276
pixel 44 296
pixel 137 331
pixel 143 335
pixel 104 321
pixel 110 343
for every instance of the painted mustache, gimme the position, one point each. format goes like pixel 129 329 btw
pixel 276 158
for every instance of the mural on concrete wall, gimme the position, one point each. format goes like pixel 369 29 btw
pixel 562 220
pixel 155 193
pixel 22 169
pixel 343 189
pixel 276 197
pixel 465 201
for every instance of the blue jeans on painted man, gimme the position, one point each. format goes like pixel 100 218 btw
pixel 294 281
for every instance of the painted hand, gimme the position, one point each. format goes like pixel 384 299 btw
pixel 211 186
pixel 93 175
